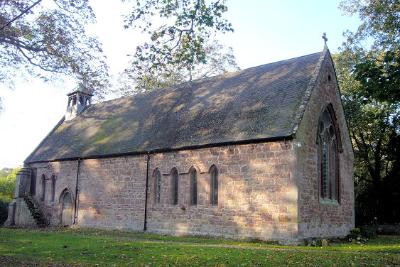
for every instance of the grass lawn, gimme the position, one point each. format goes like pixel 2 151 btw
pixel 77 247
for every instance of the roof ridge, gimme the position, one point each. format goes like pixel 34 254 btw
pixel 174 86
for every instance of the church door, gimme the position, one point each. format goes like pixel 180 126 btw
pixel 67 210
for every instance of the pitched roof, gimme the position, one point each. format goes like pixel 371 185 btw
pixel 257 103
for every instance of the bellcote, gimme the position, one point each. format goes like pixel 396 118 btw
pixel 78 101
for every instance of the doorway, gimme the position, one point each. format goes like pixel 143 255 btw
pixel 66 209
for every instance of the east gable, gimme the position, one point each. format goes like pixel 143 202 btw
pixel 317 216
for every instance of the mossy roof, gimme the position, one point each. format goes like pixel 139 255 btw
pixel 258 103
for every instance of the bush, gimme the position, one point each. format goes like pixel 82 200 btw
pixel 355 233
pixel 7 186
pixel 369 231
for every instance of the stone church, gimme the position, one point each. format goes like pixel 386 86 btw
pixel 261 153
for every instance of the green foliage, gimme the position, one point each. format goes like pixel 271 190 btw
pixel 5 172
pixel 7 184
pixel 367 69
pixel 369 231
pixel 181 33
pixel 376 44
pixel 122 248
pixel 219 60
pixel 51 40
pixel 354 233
pixel 380 21
pixel 374 129
pixel 380 71
pixel 7 188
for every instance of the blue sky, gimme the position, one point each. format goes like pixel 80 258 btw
pixel 265 31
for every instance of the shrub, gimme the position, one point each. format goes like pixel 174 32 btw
pixel 7 186
pixel 355 233
pixel 369 231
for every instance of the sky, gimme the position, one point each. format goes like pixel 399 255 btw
pixel 264 31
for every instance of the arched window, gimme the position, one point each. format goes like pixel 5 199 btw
pixel 328 158
pixel 53 187
pixel 157 186
pixel 174 186
pixel 43 181
pixel 213 185
pixel 32 189
pixel 193 186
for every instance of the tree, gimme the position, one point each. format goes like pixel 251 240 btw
pixel 7 184
pixel 380 21
pixel 219 60
pixel 377 44
pixel 5 172
pixel 368 73
pixel 180 35
pixel 50 40
pixel 374 130
pixel 7 188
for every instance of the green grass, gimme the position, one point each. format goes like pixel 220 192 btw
pixel 121 248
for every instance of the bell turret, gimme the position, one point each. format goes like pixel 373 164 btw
pixel 78 101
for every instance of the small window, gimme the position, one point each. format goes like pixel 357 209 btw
pixel 328 159
pixel 157 186
pixel 53 188
pixel 174 186
pixel 213 185
pixel 43 187
pixel 193 186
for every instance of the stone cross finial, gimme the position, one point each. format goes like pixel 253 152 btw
pixel 324 37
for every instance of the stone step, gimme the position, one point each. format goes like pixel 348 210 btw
pixel 36 211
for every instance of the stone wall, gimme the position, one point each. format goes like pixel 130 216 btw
pixel 65 177
pixel 257 194
pixel 316 218
pixel 256 199
pixel 111 191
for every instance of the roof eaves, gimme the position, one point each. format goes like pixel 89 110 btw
pixel 167 150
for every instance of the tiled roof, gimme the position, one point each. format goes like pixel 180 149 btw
pixel 257 103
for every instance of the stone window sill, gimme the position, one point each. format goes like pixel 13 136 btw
pixel 332 202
